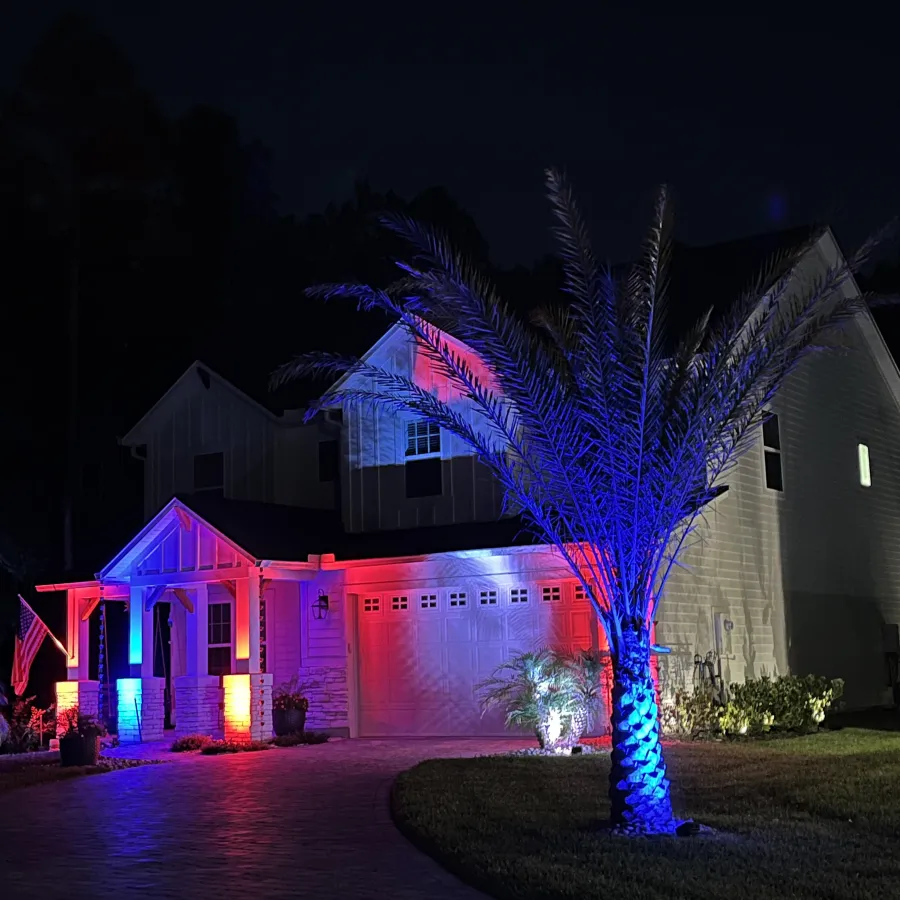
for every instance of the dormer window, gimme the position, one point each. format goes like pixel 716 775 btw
pixel 209 473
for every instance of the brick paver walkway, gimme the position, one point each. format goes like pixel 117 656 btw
pixel 299 822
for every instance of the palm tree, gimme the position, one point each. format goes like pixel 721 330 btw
pixel 608 437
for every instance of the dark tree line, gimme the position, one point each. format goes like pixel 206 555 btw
pixel 131 245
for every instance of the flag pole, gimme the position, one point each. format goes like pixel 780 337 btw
pixel 51 635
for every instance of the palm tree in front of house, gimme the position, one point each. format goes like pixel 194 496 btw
pixel 606 432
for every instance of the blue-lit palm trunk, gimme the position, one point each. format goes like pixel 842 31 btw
pixel 638 786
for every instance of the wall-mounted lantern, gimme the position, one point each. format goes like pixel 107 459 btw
pixel 320 606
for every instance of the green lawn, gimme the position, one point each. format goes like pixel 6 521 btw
pixel 816 816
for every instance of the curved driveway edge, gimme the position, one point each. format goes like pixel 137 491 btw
pixel 308 821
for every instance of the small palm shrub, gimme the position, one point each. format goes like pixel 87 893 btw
pixel 190 742
pixel 758 706
pixel 551 693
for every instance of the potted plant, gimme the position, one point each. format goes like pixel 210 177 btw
pixel 79 739
pixel 289 706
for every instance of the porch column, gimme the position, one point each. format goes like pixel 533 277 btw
pixel 196 636
pixel 77 638
pixel 136 631
pixel 246 614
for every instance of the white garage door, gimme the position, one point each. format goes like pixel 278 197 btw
pixel 423 651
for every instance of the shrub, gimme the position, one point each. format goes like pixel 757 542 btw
pixel 306 737
pixel 758 706
pixel 549 692
pixel 214 748
pixel 190 743
pixel 74 723
pixel 23 732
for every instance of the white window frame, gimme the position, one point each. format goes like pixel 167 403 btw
pixel 771 450
pixel 865 464
pixel 231 623
pixel 463 592
pixel 378 599
pixel 399 596
pixel 488 590
pixel 551 586
pixel 429 426
pixel 520 590
pixel 432 600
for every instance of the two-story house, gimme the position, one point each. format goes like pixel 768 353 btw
pixel 365 553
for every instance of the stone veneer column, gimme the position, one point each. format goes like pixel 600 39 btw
pixel 329 704
pixel 83 694
pixel 198 699
pixel 141 709
pixel 248 707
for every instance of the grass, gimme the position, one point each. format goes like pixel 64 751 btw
pixel 805 817
pixel 28 774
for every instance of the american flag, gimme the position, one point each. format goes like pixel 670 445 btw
pixel 29 637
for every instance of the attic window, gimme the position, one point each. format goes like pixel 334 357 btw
pixel 209 472
pixel 865 471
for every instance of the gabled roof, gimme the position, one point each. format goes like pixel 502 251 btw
pixel 205 376
pixel 167 521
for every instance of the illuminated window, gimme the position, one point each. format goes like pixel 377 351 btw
pixel 422 439
pixel 865 473
pixel 399 603
pixel 428 601
pixel 518 595
pixel 209 473
pixel 458 599
pixel 487 598
pixel 772 453
pixel 550 594
pixel 218 638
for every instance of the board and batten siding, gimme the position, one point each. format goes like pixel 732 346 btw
pixel 374 453
pixel 197 420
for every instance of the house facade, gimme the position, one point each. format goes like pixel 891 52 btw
pixel 368 554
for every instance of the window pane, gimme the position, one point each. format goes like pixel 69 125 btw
pixel 209 471
pixel 422 438
pixel 771 436
pixel 773 471
pixel 424 478
pixel 219 660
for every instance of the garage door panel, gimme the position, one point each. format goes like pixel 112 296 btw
pixel 458 630
pixel 490 627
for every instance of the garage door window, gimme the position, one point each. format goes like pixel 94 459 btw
pixel 458 600
pixel 487 598
pixel 399 604
pixel 518 596
pixel 371 604
pixel 550 593
pixel 428 601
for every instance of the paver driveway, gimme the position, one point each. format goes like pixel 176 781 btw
pixel 299 822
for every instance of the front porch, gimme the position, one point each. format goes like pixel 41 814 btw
pixel 197 633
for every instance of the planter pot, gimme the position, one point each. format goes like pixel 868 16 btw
pixel 288 721
pixel 75 750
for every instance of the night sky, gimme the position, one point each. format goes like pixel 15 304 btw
pixel 755 122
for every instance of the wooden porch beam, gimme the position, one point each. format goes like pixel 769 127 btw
pixel 184 598
pixel 89 607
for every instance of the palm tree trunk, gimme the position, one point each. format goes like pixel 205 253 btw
pixel 638 786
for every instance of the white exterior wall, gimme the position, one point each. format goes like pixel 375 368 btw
pixel 374 454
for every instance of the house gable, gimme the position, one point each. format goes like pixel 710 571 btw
pixel 176 540
pixel 197 379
